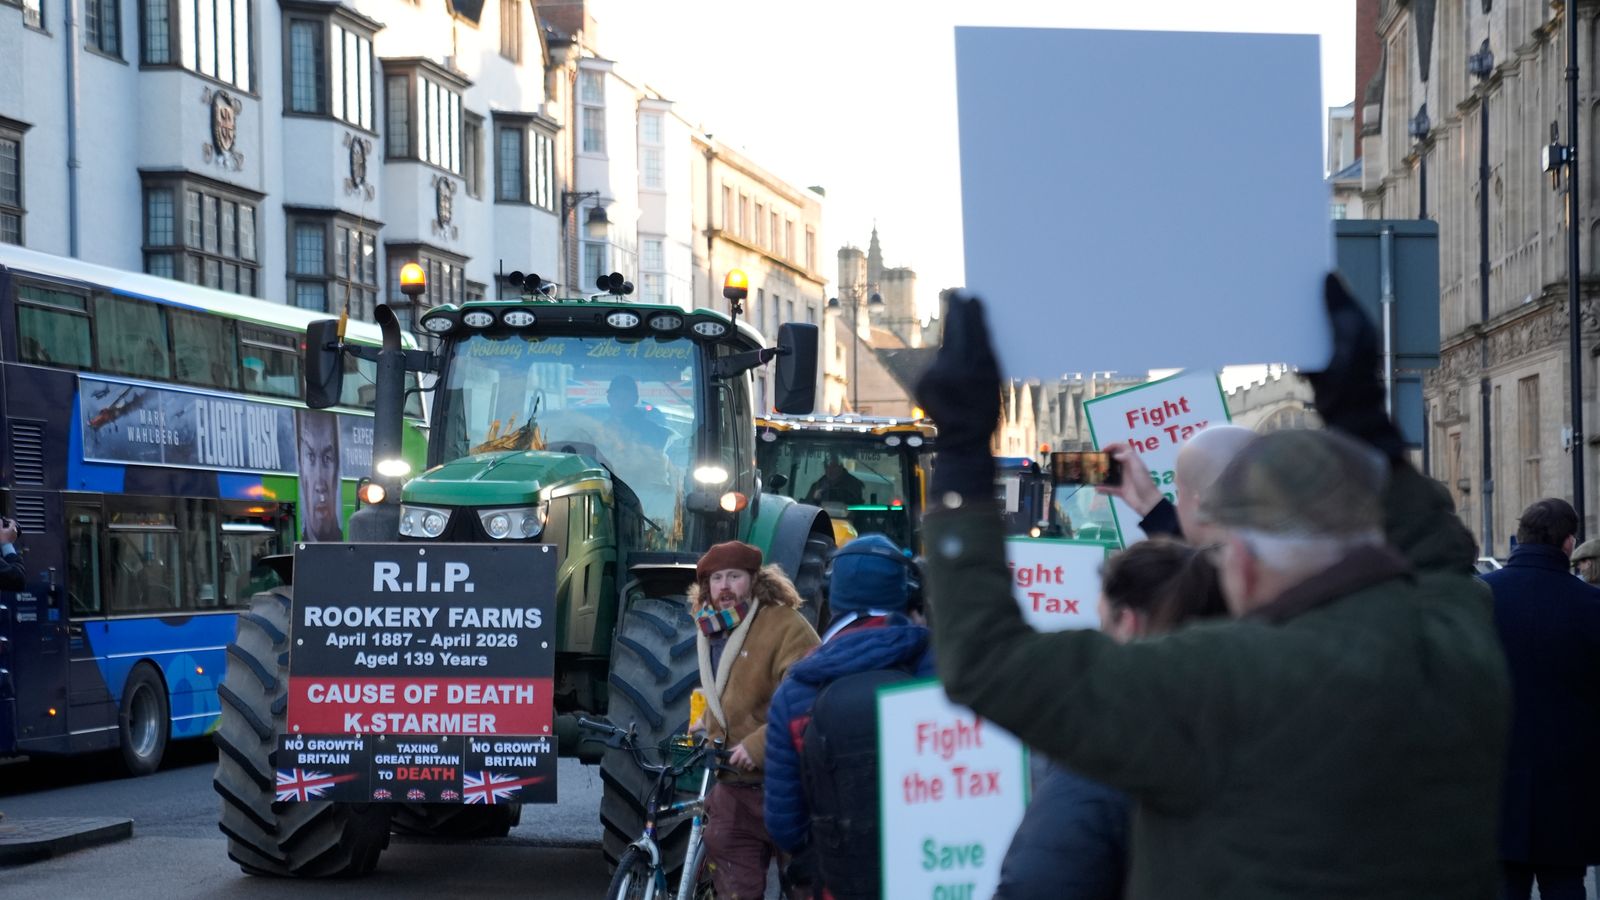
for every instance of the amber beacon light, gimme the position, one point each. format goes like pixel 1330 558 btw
pixel 736 286
pixel 413 280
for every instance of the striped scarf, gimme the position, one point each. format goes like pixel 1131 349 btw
pixel 714 621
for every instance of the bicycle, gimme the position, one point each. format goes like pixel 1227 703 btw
pixel 641 873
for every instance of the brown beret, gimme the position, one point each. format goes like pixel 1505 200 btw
pixel 1300 482
pixel 728 555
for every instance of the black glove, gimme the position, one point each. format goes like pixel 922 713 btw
pixel 961 393
pixel 1348 394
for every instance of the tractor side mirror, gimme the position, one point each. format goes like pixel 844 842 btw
pixel 323 365
pixel 780 481
pixel 796 388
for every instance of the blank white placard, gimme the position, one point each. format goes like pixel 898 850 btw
pixel 1143 199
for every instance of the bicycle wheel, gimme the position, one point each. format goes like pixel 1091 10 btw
pixel 694 866
pixel 636 878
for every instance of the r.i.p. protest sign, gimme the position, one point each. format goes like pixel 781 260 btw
pixel 953 788
pixel 1156 420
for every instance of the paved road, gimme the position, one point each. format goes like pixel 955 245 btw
pixel 177 853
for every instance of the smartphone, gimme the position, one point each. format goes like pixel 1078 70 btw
pixel 1085 467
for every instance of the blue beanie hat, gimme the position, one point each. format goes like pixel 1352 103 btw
pixel 870 572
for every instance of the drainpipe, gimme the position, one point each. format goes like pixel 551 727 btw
pixel 74 39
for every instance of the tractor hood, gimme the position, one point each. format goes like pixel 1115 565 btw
pixel 513 478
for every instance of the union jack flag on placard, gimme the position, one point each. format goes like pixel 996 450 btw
pixel 303 785
pixel 493 787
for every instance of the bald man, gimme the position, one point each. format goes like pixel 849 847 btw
pixel 1200 462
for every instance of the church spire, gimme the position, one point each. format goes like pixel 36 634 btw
pixel 874 258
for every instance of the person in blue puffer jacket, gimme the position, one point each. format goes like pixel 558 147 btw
pixel 869 592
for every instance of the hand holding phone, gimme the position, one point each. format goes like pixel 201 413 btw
pixel 1085 468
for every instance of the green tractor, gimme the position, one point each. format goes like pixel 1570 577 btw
pixel 622 434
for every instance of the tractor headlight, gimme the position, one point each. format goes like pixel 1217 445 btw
pixel 518 523
pixel 423 521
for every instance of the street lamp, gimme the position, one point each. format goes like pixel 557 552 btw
pixel 1480 65
pixel 1418 127
pixel 596 222
pixel 875 300
pixel 1555 159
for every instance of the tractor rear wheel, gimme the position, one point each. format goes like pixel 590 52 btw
pixel 265 837
pixel 808 577
pixel 654 668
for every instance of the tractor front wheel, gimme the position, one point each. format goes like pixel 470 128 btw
pixel 266 837
pixel 654 668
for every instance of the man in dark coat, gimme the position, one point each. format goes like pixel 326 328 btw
pixel 1343 737
pixel 12 575
pixel 868 593
pixel 1550 627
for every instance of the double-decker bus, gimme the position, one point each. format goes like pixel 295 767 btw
pixel 156 455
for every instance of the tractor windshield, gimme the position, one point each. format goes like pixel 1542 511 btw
pixel 628 404
pixel 854 478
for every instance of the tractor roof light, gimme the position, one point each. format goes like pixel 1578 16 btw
pixel 623 319
pixel 413 280
pixel 441 322
pixel 710 329
pixel 666 322
pixel 477 318
pixel 518 318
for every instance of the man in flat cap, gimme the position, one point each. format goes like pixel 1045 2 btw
pixel 1342 736
pixel 751 632
pixel 1586 561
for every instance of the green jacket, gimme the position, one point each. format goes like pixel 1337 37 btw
pixel 1346 742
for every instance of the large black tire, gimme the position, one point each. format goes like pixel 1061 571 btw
pixel 632 879
pixel 310 840
pixel 654 668
pixel 455 820
pixel 144 723
pixel 808 580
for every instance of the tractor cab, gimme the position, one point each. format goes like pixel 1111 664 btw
pixel 869 473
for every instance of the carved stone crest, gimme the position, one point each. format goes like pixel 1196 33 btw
pixel 224 109
pixel 356 182
pixel 444 205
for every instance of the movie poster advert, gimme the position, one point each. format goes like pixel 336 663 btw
pixel 127 422
pixel 422 674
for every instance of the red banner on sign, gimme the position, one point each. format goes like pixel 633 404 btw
pixel 410 705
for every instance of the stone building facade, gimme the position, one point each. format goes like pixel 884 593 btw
pixel 1497 406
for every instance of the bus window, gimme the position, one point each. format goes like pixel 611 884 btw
pixel 132 337
pixel 270 361
pixel 197 584
pixel 83 561
pixel 142 555
pixel 53 327
pixel 204 352
pixel 251 532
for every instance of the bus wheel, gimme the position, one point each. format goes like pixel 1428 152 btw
pixel 653 670
pixel 143 723
pixel 307 840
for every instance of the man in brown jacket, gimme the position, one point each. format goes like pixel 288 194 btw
pixel 751 631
